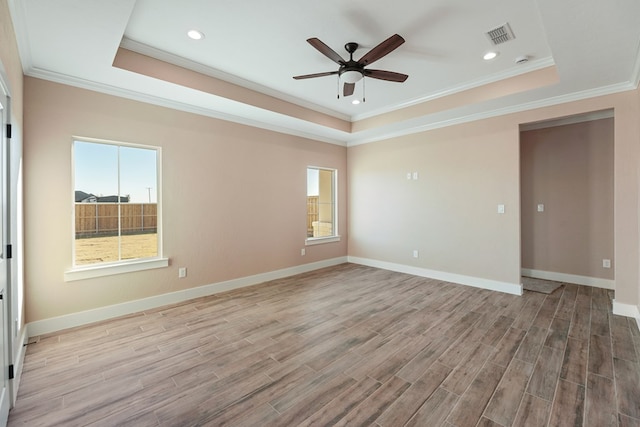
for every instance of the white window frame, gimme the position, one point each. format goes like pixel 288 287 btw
pixel 335 237
pixel 88 271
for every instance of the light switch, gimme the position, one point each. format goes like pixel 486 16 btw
pixel 540 207
pixel 408 175
pixel 500 209
pixel 415 176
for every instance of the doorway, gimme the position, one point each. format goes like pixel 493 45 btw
pixel 566 188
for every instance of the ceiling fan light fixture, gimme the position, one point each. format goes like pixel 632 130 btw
pixel 355 102
pixel 195 34
pixel 352 76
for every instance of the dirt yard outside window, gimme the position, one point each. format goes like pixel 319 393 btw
pixel 93 250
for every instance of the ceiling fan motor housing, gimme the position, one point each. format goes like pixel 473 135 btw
pixel 351 71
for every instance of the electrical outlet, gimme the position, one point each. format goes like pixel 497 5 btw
pixel 606 263
pixel 182 272
pixel 500 209
pixel 415 176
pixel 540 207
pixel 415 253
pixel 303 252
pixel 408 175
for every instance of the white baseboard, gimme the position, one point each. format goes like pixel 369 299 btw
pixel 595 282
pixel 45 326
pixel 476 282
pixel 18 363
pixel 627 310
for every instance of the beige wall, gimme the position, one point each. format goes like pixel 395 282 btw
pixel 465 171
pixel 450 213
pixel 568 169
pixel 234 197
pixel 234 173
pixel 626 190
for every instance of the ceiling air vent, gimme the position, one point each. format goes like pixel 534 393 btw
pixel 501 34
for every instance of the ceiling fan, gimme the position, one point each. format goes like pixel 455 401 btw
pixel 352 71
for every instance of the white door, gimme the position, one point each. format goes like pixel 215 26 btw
pixel 4 261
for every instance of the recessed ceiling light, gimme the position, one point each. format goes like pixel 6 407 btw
pixel 489 56
pixel 195 34
pixel 355 102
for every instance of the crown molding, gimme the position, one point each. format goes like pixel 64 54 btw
pixel 170 58
pixel 261 118
pixel 320 133
pixel 547 102
pixel 512 72
pixel 294 126
pixel 288 125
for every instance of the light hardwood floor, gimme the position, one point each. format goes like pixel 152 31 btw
pixel 348 345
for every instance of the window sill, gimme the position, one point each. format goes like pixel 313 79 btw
pixel 320 240
pixel 81 273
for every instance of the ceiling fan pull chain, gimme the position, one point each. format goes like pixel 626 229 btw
pixel 363 91
pixel 338 86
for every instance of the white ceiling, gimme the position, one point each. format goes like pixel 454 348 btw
pixel 260 45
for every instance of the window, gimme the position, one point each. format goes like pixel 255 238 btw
pixel 116 207
pixel 322 212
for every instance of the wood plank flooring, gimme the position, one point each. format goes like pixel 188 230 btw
pixel 347 345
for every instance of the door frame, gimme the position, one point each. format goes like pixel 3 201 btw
pixel 16 332
pixel 6 393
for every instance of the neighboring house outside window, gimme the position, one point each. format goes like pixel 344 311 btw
pixel 82 197
pixel 117 208
pixel 322 212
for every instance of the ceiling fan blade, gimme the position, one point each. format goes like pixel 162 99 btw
pixel 386 75
pixel 348 89
pixel 310 76
pixel 326 50
pixel 384 48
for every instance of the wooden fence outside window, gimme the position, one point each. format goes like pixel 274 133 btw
pixel 101 219
pixel 312 213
